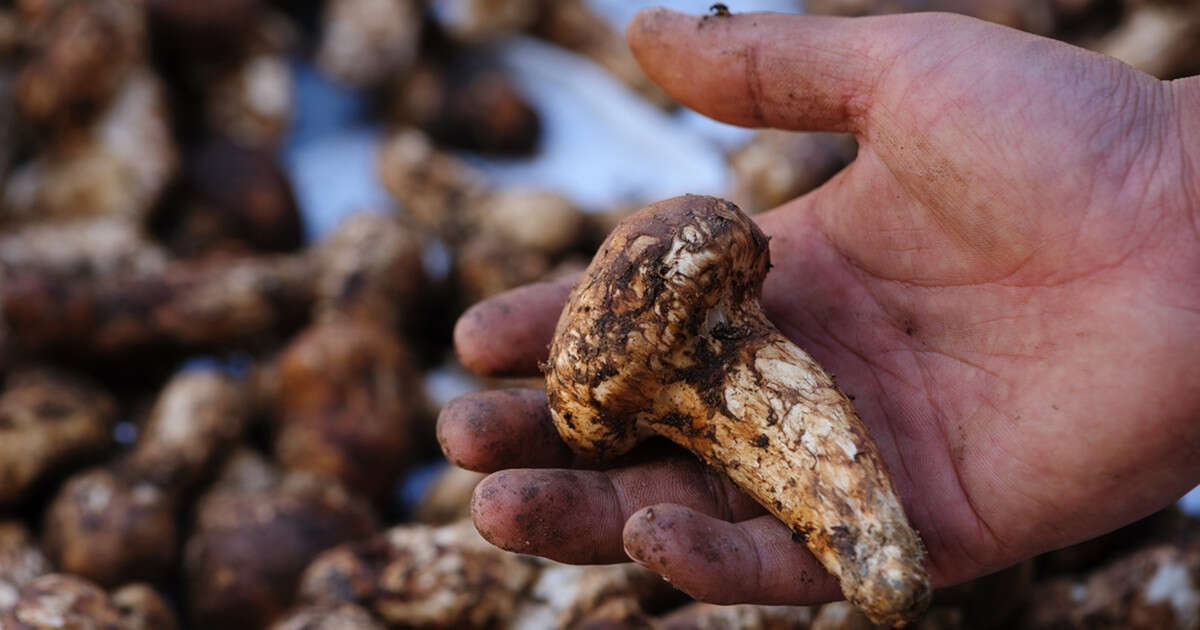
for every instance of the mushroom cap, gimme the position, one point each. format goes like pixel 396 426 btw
pixel 668 277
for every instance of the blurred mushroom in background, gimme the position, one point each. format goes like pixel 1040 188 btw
pixel 1158 38
pixel 482 21
pixel 778 166
pixel 465 101
pixel 115 166
pixel 346 400
pixel 1155 587
pixel 56 600
pixel 328 617
pixel 573 25
pixel 700 616
pixel 367 42
pixel 449 577
pixel 231 199
pixel 59 601
pixel 254 533
pixel 226 62
pixel 448 498
pixel 21 560
pixel 347 392
pixel 49 419
pixel 117 523
pixel 144 608
pixel 194 305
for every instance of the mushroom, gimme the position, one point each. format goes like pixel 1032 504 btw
pixel 227 62
pixel 108 525
pixel 1154 587
pixel 21 560
pixel 328 617
pixel 185 304
pixel 346 404
pixel 363 42
pixel 118 523
pixel 482 21
pixel 48 420
pixel 143 608
pixel 466 101
pixel 664 334
pixel 777 166
pixel 117 165
pixel 541 221
pixel 424 577
pixel 616 614
pixel 213 32
pixel 1035 16
pixel 57 601
pixel 434 186
pixel 448 498
pixel 13 131
pixel 232 199
pixel 89 248
pixel 419 576
pixel 487 266
pixel 254 532
pixel 370 269
pixel 1162 39
pixel 840 616
pixel 252 103
pixel 700 616
pixel 80 53
pixel 574 25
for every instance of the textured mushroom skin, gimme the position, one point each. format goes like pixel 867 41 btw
pixel 143 608
pixel 48 419
pixel 21 560
pixel 664 334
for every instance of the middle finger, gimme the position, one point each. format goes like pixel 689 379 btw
pixel 577 516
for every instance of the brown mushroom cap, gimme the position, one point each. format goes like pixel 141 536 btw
pixel 111 527
pixel 48 419
pixel 675 271
pixel 143 608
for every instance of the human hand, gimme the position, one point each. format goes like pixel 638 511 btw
pixel 1007 279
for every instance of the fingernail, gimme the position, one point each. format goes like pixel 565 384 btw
pixel 634 552
pixel 638 535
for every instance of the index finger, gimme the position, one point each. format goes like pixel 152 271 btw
pixel 509 334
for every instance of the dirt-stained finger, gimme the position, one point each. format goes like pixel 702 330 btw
pixel 505 428
pixel 756 561
pixel 576 516
pixel 794 72
pixel 508 335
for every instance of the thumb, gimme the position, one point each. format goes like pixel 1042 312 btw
pixel 766 69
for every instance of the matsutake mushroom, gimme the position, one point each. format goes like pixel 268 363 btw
pixel 664 334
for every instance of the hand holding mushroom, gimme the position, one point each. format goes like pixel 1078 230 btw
pixel 664 334
pixel 1005 281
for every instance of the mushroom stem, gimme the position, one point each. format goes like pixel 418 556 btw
pixel 664 334
pixel 789 437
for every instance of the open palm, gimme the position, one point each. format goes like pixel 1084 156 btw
pixel 1007 279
